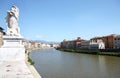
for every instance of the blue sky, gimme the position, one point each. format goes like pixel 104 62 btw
pixel 55 20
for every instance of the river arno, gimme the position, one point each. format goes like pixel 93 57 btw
pixel 51 63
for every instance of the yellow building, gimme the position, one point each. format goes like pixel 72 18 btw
pixel 1 36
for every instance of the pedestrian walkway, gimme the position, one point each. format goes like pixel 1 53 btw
pixel 14 69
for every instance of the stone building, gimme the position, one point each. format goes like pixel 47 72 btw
pixel 1 36
pixel 74 44
pixel 84 44
pixel 107 40
pixel 117 42
pixel 97 45
pixel 26 43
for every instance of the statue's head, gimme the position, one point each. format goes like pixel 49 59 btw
pixel 14 6
pixel 15 10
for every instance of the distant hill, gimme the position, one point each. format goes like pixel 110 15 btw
pixel 47 42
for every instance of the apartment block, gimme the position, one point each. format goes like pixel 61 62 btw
pixel 107 40
pixel 71 43
pixel 117 42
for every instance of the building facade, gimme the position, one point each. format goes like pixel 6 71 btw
pixel 117 42
pixel 84 45
pixel 97 45
pixel 73 44
pixel 1 36
pixel 107 40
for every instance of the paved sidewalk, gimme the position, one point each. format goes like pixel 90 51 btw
pixel 14 69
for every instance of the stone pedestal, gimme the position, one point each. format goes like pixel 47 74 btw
pixel 12 49
pixel 12 42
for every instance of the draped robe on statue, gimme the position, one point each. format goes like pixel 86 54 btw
pixel 12 22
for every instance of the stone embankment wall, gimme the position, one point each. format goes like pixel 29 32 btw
pixel 31 67
pixel 13 64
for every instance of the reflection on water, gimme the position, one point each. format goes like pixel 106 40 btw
pixel 51 63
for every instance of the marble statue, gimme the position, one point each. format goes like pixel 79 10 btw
pixel 12 22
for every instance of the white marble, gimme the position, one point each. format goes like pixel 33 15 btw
pixel 12 41
pixel 15 69
pixel 12 54
pixel 12 22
